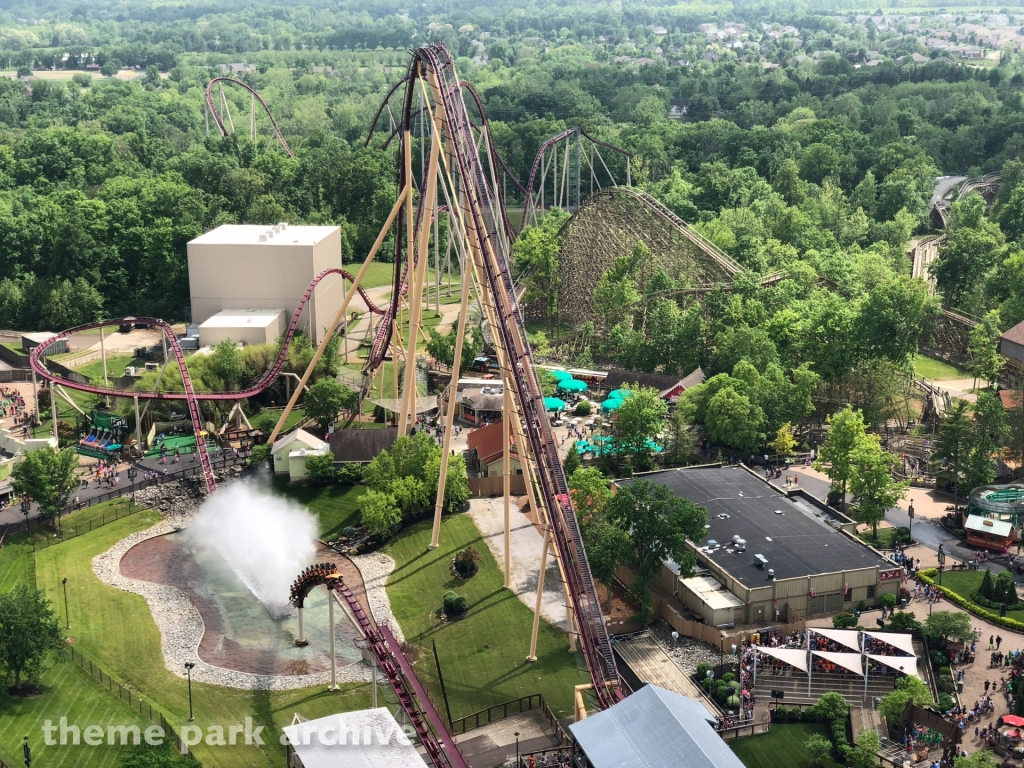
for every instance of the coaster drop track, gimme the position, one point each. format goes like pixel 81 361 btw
pixel 466 166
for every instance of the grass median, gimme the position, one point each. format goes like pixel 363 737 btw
pixel 115 630
pixel 483 654
pixel 783 745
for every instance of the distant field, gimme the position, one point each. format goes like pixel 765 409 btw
pixel 67 74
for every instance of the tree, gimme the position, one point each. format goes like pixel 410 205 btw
pixel 29 633
pixel 872 485
pixel 456 484
pixel 143 755
pixel 572 460
pixel 818 749
pixel 225 362
pixel 980 759
pixel 949 625
pixel 984 361
pixel 865 750
pixel 953 448
pixel 904 622
pixel 907 688
pixel 320 468
pixel 325 400
pixel 734 420
pixel 71 303
pixel 639 419
pixel 845 434
pixel 536 260
pixel 110 68
pixel 47 476
pixel 379 512
pixel 658 523
pixel 784 442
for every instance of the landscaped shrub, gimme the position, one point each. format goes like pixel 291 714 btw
pixel 583 408
pixel 903 622
pixel 466 562
pixel 350 474
pixel 454 604
pixel 888 600
pixel 902 535
pixel 320 468
pixel 844 620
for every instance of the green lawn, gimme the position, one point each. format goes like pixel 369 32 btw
pixel 115 630
pixel 782 746
pixel 964 583
pixel 68 692
pixel 483 655
pixel 115 367
pixel 334 505
pixel 930 368
pixel 886 538
pixel 379 273
pixel 16 562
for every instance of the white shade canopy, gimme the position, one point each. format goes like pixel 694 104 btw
pixel 848 637
pixel 905 664
pixel 899 641
pixel 850 661
pixel 795 657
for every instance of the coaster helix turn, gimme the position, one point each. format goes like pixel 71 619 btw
pixel 188 393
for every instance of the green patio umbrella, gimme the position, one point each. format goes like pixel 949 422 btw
pixel 611 404
pixel 572 385
pixel 618 394
pixel 554 404
pixel 558 373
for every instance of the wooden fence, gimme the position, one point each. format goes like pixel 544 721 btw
pixel 495 486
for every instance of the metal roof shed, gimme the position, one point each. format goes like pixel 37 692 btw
pixel 653 728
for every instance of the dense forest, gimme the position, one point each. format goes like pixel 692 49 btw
pixel 788 160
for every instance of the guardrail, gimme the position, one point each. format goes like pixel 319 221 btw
pixel 507 709
pixel 125 490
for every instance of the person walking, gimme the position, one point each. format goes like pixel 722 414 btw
pixel 998 641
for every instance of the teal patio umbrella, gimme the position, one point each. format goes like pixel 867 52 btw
pixel 618 394
pixel 611 404
pixel 572 385
pixel 554 404
pixel 558 373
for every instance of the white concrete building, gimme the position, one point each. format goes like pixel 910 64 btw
pixel 290 453
pixel 247 266
pixel 249 326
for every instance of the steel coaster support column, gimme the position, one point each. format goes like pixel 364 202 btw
pixel 356 282
pixel 540 594
pixel 334 657
pixel 103 356
pixel 449 421
pixel 301 642
pixel 411 270
pixel 506 417
pixel 53 413
pixel 428 202
pixel 35 396
pixel 138 425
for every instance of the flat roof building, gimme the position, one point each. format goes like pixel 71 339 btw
pixel 248 266
pixel 772 550
pixel 248 326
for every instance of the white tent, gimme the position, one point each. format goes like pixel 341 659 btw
pixel 905 664
pixel 901 642
pixel 795 657
pixel 850 661
pixel 848 637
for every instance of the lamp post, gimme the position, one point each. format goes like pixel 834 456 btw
pixel 518 764
pixel 67 617
pixel 189 665
pixel 910 514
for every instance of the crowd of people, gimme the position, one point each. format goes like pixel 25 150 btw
pixel 12 405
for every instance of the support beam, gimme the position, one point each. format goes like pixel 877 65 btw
pixel 506 417
pixel 301 641
pixel 138 425
pixel 341 313
pixel 540 594
pixel 103 356
pixel 334 657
